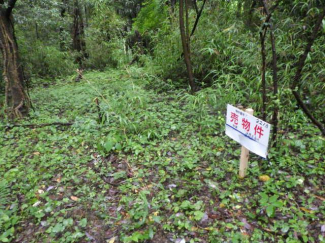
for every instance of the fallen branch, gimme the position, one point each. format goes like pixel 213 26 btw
pixel 11 126
pixel 103 178
pixel 320 198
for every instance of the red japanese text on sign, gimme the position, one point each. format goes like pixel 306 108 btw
pixel 246 124
pixel 258 131
pixel 234 118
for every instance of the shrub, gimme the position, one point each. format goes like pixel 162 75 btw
pixel 103 53
pixel 46 61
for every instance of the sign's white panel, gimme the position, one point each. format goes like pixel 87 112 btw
pixel 248 130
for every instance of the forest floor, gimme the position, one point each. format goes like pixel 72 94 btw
pixel 158 167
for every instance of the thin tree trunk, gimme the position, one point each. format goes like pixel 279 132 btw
pixel 62 15
pixel 275 119
pixel 36 31
pixel 249 7
pixel 185 44
pixel 275 74
pixel 263 53
pixel 263 33
pixel 86 11
pixel 195 24
pixel 187 28
pixel 16 99
pixel 300 65
pixel 79 43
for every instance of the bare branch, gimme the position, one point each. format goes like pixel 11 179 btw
pixel 11 126
pixel 301 63
pixel 198 18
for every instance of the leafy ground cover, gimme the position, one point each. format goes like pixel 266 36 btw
pixel 151 166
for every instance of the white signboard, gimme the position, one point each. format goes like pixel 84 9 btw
pixel 248 130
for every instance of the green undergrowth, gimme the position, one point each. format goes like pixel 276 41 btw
pixel 152 165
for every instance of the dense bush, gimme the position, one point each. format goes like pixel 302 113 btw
pixel 105 42
pixel 104 53
pixel 151 17
pixel 225 48
pixel 46 61
pixel 227 55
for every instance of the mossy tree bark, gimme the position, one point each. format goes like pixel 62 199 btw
pixel 17 101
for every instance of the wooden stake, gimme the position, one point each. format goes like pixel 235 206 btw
pixel 244 156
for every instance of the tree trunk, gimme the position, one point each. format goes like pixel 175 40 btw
pixel 263 54
pixel 275 118
pixel 17 101
pixel 185 36
pixel 36 31
pixel 79 43
pixel 275 73
pixel 195 25
pixel 62 15
pixel 263 33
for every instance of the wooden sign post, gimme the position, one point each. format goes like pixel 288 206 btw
pixel 251 132
pixel 244 156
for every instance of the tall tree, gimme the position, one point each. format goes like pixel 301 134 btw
pixel 185 37
pixel 17 101
pixel 63 9
pixel 78 34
